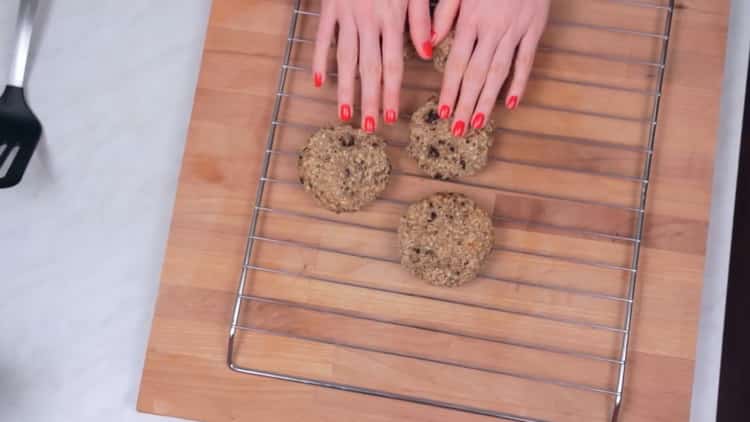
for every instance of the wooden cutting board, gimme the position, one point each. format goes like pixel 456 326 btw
pixel 186 373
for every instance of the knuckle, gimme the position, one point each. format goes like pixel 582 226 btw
pixel 454 68
pixel 499 69
pixel 395 14
pixel 473 75
pixel 464 105
pixel 466 16
pixel 346 57
pixel 392 90
pixel 463 112
pixel 472 90
pixel 422 21
pixel 393 68
pixel 371 68
pixel 525 59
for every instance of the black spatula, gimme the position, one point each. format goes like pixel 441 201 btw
pixel 19 128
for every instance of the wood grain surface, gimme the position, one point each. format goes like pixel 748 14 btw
pixel 566 163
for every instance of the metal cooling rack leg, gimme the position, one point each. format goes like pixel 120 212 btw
pixel 261 188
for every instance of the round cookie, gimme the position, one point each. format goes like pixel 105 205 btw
pixel 445 239
pixel 441 155
pixel 441 51
pixel 344 168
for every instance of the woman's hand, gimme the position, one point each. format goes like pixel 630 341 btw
pixel 491 36
pixel 362 24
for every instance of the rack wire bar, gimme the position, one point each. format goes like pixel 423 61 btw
pixel 560 198
pixel 617 407
pixel 572 291
pixel 562 258
pixel 525 163
pixel 527 104
pixel 623 304
pixel 302 245
pixel 358 315
pixel 534 75
pixel 429 359
pixel 383 394
pixel 544 48
pixel 486 307
pixel 598 143
pixel 510 220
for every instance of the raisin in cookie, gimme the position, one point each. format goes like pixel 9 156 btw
pixel 440 154
pixel 445 239
pixel 344 168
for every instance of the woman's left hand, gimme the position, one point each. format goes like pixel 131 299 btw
pixel 491 36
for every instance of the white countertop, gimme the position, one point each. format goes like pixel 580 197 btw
pixel 82 238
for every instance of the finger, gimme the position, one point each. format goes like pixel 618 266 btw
pixel 463 45
pixel 370 71
pixel 346 57
pixel 326 27
pixel 420 27
pixel 498 73
pixel 524 62
pixel 442 22
pixel 473 81
pixel 393 71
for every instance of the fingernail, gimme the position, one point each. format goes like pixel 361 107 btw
pixel 512 103
pixel 345 112
pixel 478 121
pixel 444 111
pixel 458 128
pixel 390 116
pixel 433 36
pixel 427 49
pixel 318 79
pixel 369 124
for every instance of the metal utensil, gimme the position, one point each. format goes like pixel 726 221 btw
pixel 20 129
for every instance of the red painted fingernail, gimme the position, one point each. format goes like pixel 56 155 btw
pixel 390 116
pixel 318 79
pixel 478 121
pixel 345 112
pixel 427 49
pixel 458 128
pixel 512 102
pixel 444 111
pixel 369 124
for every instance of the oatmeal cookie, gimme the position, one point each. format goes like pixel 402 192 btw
pixel 441 155
pixel 445 239
pixel 344 168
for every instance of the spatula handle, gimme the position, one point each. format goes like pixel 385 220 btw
pixel 23 41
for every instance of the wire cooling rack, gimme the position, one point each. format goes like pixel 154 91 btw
pixel 618 225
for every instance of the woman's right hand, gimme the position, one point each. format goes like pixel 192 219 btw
pixel 491 37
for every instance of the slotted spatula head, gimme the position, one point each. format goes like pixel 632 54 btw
pixel 19 135
pixel 19 128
